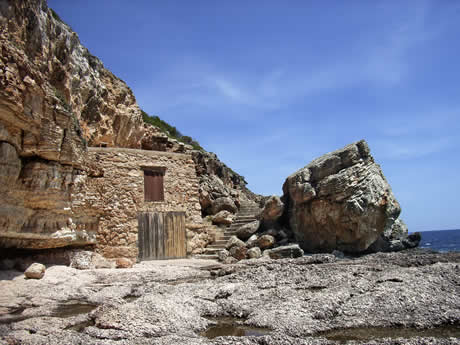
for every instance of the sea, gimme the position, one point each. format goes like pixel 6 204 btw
pixel 441 240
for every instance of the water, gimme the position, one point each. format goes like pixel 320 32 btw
pixel 375 333
pixel 441 240
pixel 71 308
pixel 228 326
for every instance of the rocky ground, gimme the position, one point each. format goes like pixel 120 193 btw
pixel 412 294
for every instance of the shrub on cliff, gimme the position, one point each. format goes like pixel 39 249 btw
pixel 169 130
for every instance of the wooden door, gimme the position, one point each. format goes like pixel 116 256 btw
pixel 161 235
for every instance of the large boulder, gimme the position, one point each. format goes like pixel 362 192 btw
pixel 340 201
pixel 224 203
pixel 247 230
pixel 272 211
pixel 223 217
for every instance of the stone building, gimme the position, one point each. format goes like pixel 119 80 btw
pixel 123 186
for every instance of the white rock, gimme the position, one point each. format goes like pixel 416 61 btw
pixel 35 271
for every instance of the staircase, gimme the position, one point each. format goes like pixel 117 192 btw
pixel 246 214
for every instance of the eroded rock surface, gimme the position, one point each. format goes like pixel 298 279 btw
pixel 55 99
pixel 340 201
pixel 272 211
pixel 171 302
pixel 218 181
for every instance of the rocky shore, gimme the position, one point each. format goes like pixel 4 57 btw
pixel 413 295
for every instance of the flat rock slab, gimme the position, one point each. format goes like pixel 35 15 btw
pixel 171 302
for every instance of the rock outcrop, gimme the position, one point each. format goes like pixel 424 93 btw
pixel 272 211
pixel 409 298
pixel 340 201
pixel 55 99
pixel 395 239
pixel 219 181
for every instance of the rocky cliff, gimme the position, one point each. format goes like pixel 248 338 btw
pixel 51 90
pixel 56 99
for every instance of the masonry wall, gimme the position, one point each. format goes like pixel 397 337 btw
pixel 113 193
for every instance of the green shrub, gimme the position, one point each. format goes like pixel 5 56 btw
pixel 170 131
pixel 55 15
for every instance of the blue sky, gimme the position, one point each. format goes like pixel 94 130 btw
pixel 271 85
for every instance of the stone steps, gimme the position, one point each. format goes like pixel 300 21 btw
pixel 206 256
pixel 219 242
pixel 214 250
pixel 245 215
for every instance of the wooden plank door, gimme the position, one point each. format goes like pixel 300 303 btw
pixel 161 235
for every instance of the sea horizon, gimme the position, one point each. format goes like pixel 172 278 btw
pixel 447 240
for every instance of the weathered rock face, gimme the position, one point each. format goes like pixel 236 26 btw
pixel 395 238
pixel 272 211
pixel 340 201
pixel 55 98
pixel 219 181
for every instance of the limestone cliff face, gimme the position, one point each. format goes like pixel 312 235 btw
pixel 55 99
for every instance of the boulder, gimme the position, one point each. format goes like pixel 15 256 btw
pixel 290 251
pixel 265 241
pixel 223 255
pixel 224 203
pixel 395 238
pixel 234 242
pixel 252 241
pixel 247 230
pixel 35 271
pixel 223 217
pixel 412 240
pixel 238 253
pixel 272 211
pixel 254 253
pixel 340 201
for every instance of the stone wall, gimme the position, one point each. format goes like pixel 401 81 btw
pixel 113 192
